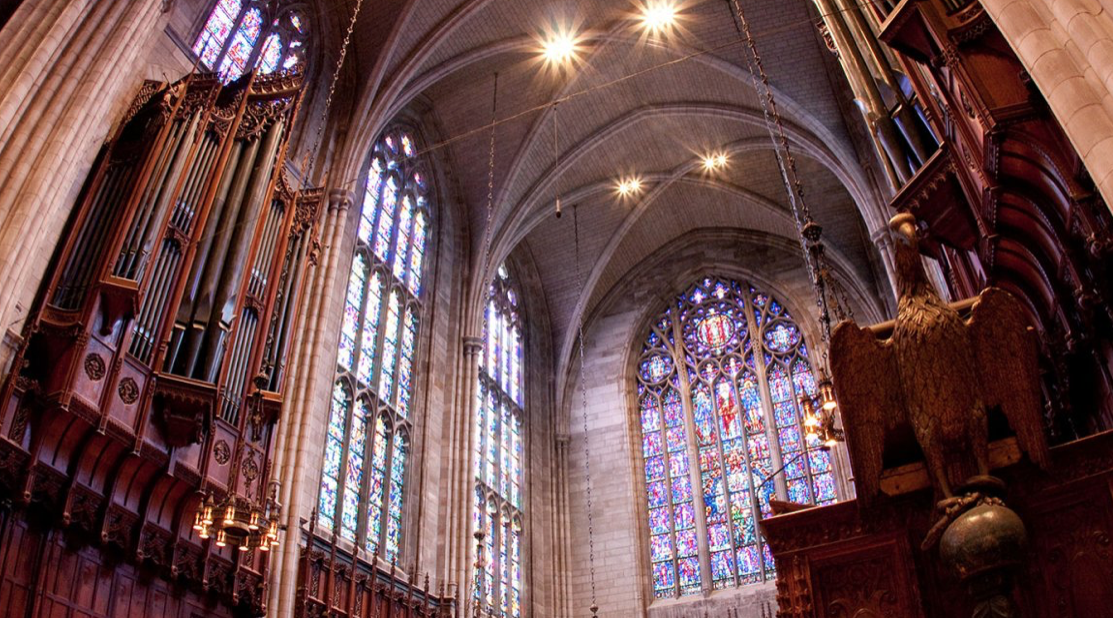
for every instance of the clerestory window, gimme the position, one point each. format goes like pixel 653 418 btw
pixel 370 423
pixel 244 34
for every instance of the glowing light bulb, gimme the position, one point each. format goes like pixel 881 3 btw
pixel 629 187
pixel 658 17
pixel 560 48
pixel 715 161
pixel 827 394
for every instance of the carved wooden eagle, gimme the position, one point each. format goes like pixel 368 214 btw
pixel 939 374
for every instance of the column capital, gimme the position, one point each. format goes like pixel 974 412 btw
pixel 473 345
pixel 340 199
pixel 881 238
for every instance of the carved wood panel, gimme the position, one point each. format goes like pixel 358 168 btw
pixel 1074 540
pixel 44 576
pixel 862 581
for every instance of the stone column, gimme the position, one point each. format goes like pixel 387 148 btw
pixel 461 500
pixel 300 442
pixel 1067 48
pixel 884 244
pixel 66 72
pixel 562 564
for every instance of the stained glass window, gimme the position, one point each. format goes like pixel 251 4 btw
pixel 499 452
pixel 251 33
pixel 730 363
pixel 367 447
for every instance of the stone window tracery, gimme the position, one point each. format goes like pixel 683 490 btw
pixel 720 379
pixel 499 452
pixel 370 423
pixel 244 34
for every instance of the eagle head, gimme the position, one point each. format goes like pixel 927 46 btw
pixel 911 279
pixel 903 227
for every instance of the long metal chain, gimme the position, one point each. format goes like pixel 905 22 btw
pixel 556 157
pixel 808 232
pixel 311 161
pixel 488 233
pixel 587 449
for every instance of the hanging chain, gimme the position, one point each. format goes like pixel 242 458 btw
pixel 488 232
pixel 480 577
pixel 310 162
pixel 829 293
pixel 556 157
pixel 587 449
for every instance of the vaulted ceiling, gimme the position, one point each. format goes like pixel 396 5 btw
pixel 630 105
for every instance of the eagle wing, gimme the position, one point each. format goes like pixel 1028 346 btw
pixel 864 371
pixel 1008 362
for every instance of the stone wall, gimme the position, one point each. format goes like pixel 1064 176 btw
pixel 613 336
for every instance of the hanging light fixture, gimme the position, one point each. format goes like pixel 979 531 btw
pixel 556 156
pixel 239 523
pixel 819 424
pixel 588 485
pixel 489 510
pixel 829 296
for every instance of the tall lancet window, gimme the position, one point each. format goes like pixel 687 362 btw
pixel 498 452
pixel 720 379
pixel 370 423
pixel 244 34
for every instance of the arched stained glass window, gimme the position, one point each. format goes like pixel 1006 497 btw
pixel 240 34
pixel 498 452
pixel 720 380
pixel 367 445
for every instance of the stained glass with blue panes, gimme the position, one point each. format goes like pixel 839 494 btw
pixel 499 448
pixel 363 481
pixel 239 35
pixel 745 366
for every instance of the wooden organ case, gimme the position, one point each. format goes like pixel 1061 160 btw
pixel 1008 203
pixel 1007 199
pixel 154 361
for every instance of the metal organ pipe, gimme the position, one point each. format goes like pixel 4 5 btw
pixel 105 210
pixel 193 315
pixel 285 305
pixel 156 201
pixel 239 245
pixel 170 252
pixel 904 115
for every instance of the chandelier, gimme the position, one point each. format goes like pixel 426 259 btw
pixel 819 423
pixel 235 521
pixel 830 298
